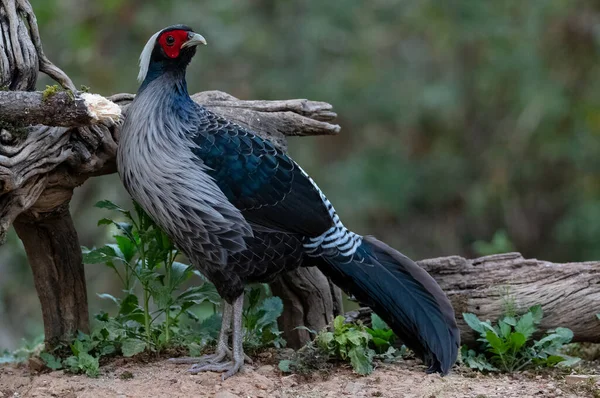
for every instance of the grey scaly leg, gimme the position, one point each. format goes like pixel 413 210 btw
pixel 233 366
pixel 222 350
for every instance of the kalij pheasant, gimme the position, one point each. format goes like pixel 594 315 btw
pixel 243 211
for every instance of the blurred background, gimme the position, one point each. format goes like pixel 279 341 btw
pixel 468 127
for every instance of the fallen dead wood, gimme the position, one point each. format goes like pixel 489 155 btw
pixel 569 293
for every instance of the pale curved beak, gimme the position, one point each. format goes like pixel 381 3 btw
pixel 194 39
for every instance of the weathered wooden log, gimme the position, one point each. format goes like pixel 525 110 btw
pixel 568 293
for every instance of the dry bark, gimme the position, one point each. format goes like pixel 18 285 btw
pixel 309 299
pixel 54 254
pixel 568 293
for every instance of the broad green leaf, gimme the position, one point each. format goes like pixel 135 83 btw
pixel 117 250
pixel 284 365
pixel 108 350
pixel 357 337
pixel 179 273
pixel 386 335
pixel 341 339
pixel 553 360
pixel 565 334
pixel 487 327
pixel 569 361
pixel 498 346
pixel 377 323
pixel 510 320
pixel 72 363
pixel 211 326
pixel 126 246
pixel 108 205
pixel 474 322
pixel 131 347
pixel 51 361
pixel 129 304
pixel 517 340
pixel 338 323
pixel 161 296
pixel 505 328
pixel 199 294
pixel 378 341
pixel 88 364
pixel 361 360
pixel 100 255
pixel 77 347
pixel 194 349
pixel 525 325
pixel 253 297
pixel 325 339
pixel 272 308
pixel 537 314
pixel 126 228
pixel 476 361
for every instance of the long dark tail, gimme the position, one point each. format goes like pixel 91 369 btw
pixel 402 294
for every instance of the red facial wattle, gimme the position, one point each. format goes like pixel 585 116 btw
pixel 171 42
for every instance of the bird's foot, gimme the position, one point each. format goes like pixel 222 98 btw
pixel 217 357
pixel 230 368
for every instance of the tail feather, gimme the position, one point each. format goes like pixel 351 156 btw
pixel 404 295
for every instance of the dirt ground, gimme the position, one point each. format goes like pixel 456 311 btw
pixel 133 379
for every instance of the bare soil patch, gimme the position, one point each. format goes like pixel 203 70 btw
pixel 132 379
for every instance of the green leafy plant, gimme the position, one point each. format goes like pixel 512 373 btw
pixel 260 319
pixel 508 346
pixel 352 342
pixel 27 349
pixel 151 313
pixel 382 337
pixel 144 258
pixel 346 341
pixel 85 356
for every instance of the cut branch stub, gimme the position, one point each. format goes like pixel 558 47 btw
pixel 60 109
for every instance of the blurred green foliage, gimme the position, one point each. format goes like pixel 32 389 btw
pixel 460 118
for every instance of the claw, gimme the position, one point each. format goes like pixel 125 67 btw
pixel 230 368
pixel 215 362
pixel 205 359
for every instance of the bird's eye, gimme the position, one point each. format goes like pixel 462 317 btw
pixel 170 40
